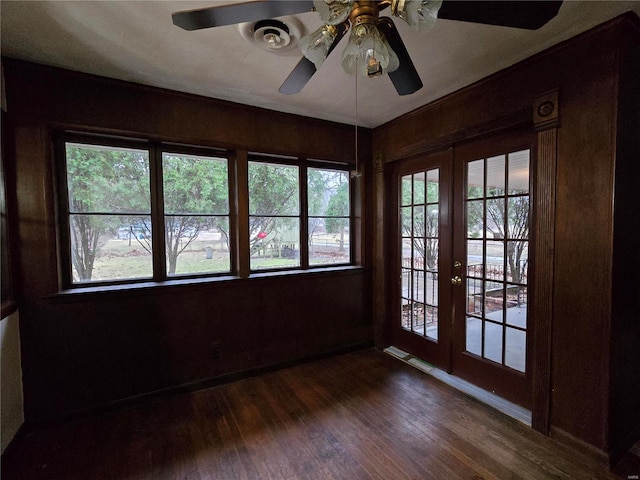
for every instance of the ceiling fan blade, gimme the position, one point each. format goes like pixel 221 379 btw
pixel 298 77
pixel 530 15
pixel 239 13
pixel 405 78
pixel 305 68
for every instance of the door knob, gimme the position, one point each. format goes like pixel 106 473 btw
pixel 456 280
pixel 457 264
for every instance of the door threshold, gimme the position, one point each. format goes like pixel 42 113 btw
pixel 508 408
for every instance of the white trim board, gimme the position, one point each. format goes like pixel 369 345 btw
pixel 508 408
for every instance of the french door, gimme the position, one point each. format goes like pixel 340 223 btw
pixel 462 246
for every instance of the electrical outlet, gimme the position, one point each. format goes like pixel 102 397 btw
pixel 215 350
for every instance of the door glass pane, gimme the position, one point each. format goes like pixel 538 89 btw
pixel 518 261
pixel 419 221
pixel 494 261
pixel 495 176
pixel 419 226
pixel 518 217
pixel 433 186
pixel 418 188
pixel 475 264
pixel 515 349
pixel 497 219
pixel 516 307
pixel 406 221
pixel 493 341
pixel 519 172
pixel 475 179
pixel 474 335
pixel 494 301
pixel 475 296
pixel 475 219
pixel 406 196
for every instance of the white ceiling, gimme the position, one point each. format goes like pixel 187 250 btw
pixel 137 41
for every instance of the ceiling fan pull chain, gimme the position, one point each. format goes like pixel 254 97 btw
pixel 356 173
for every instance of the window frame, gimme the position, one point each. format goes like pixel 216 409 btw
pixel 155 151
pixel 304 164
pixel 175 149
pixel 347 170
pixel 237 212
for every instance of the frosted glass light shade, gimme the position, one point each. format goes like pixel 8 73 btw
pixel 333 12
pixel 420 14
pixel 368 53
pixel 315 46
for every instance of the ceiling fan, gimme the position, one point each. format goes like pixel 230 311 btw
pixel 375 46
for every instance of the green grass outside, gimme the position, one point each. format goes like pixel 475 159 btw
pixel 121 259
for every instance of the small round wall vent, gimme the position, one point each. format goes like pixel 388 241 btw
pixel 272 35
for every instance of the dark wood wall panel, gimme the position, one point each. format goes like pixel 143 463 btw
pixel 63 97
pixel 82 353
pixel 585 70
pixel 85 351
pixel 624 420
pixel 582 273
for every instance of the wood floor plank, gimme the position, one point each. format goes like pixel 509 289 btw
pixel 359 416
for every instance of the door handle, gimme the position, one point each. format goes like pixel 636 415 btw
pixel 456 280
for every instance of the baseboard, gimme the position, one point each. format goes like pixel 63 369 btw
pixel 22 429
pixel 623 446
pixel 508 408
pixel 169 392
pixel 579 446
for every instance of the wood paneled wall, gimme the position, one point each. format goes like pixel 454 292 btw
pixel 82 351
pixel 586 70
pixel 624 414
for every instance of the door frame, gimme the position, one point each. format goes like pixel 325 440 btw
pixel 442 354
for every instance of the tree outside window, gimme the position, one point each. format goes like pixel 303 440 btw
pixel 196 208
pixel 329 207
pixel 274 216
pixel 153 213
pixel 108 194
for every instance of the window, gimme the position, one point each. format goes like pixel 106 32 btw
pixel 289 202
pixel 113 209
pixel 139 211
pixel 196 214
pixel 329 206
pixel 109 212
pixel 274 215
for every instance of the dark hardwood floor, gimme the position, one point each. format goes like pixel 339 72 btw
pixel 361 415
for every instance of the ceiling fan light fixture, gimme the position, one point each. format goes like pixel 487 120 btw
pixel 420 14
pixel 368 54
pixel 333 12
pixel 315 46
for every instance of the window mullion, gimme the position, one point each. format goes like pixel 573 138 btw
pixel 304 217
pixel 157 215
pixel 241 211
